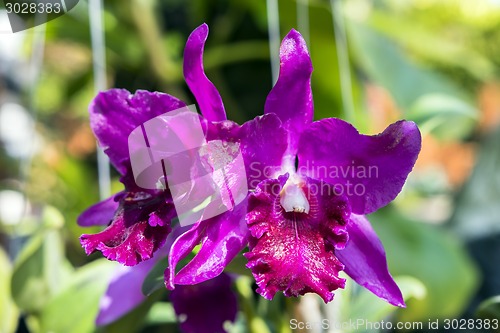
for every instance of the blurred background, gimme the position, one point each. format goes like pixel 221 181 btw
pixel 436 62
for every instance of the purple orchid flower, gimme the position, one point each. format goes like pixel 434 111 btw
pixel 139 219
pixel 311 183
pixel 306 218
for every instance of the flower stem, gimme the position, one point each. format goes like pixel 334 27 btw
pixel 143 14
pixel 255 324
pixel 343 59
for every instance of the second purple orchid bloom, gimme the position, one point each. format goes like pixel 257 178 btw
pixel 310 185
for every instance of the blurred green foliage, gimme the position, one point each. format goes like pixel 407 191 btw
pixel 431 255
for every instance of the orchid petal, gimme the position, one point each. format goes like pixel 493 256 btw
pixel 135 232
pixel 124 292
pixel 99 214
pixel 221 238
pixel 203 308
pixel 365 262
pixel 263 142
pixel 203 89
pixel 291 97
pixel 370 170
pixel 131 111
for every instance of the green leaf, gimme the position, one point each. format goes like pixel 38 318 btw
pixel 8 310
pixel 477 208
pixel 386 64
pixel 431 255
pixel 366 306
pixel 238 266
pixel 436 46
pixel 135 319
pixel 155 279
pixel 235 52
pixel 255 323
pixel 75 308
pixel 489 308
pixel 40 270
pixel 161 313
pixel 52 218
pixel 444 116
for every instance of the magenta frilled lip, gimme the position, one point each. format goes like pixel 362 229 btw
pixel 307 185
